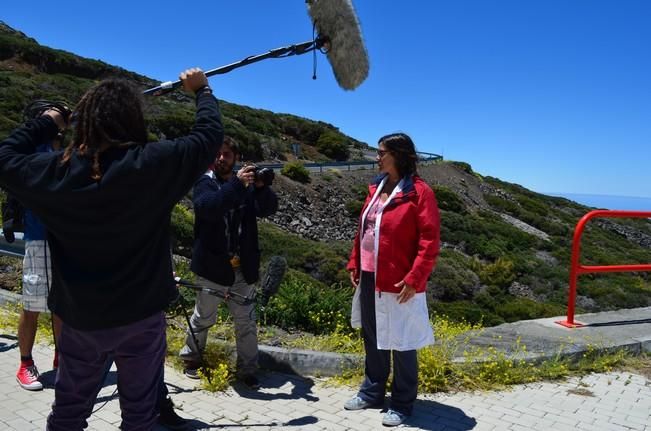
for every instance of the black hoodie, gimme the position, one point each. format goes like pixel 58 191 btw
pixel 109 239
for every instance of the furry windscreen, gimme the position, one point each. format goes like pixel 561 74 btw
pixel 337 21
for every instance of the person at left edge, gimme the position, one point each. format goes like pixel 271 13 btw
pixel 37 279
pixel 106 204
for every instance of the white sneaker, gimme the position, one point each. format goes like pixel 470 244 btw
pixel 393 418
pixel 356 403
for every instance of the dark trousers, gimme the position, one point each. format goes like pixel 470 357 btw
pixel 163 392
pixel 138 350
pixel 377 366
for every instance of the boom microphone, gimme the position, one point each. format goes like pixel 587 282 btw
pixel 336 22
pixel 272 279
pixel 339 37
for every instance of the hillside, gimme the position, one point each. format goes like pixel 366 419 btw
pixel 29 71
pixel 505 249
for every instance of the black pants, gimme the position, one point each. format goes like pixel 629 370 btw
pixel 377 367
pixel 138 350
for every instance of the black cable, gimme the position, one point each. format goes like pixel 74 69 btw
pixel 105 402
pixel 314 52
pixel 180 302
pixel 101 384
pixel 228 296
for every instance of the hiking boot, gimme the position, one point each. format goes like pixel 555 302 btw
pixel 192 373
pixel 27 377
pixel 251 381
pixel 191 369
pixel 357 403
pixel 168 417
pixel 393 418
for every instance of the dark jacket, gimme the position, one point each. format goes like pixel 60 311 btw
pixel 109 239
pixel 13 218
pixel 215 200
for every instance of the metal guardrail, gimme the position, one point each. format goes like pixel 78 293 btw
pixel 13 249
pixel 422 158
pixel 577 269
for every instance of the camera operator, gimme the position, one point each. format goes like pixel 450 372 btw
pixel 37 279
pixel 225 255
pixel 106 204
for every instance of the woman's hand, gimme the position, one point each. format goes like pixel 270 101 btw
pixel 354 278
pixel 406 293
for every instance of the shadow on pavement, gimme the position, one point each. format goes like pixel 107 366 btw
pixel 4 347
pixel 430 415
pixel 194 424
pixel 301 388
pixel 618 323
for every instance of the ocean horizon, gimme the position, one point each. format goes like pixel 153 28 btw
pixel 610 202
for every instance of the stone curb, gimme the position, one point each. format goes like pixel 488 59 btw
pixel 326 364
pixel 307 362
pixel 7 297
pixel 295 361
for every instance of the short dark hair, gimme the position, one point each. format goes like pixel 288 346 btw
pixel 403 150
pixel 233 145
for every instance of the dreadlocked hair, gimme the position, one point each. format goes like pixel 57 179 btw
pixel 108 115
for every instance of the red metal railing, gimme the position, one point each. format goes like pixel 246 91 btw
pixel 577 269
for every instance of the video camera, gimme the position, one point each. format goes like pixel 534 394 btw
pixel 266 175
pixel 38 107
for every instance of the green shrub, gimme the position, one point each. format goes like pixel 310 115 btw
pixel 300 300
pixel 453 278
pixel 499 273
pixel 248 141
pixel 502 205
pixel 522 308
pixel 182 226
pixel 354 207
pixel 533 205
pixel 448 200
pixel 361 191
pixel 172 124
pixel 463 166
pixel 296 171
pixel 333 145
pixel 465 311
pixel 334 171
pixel 324 262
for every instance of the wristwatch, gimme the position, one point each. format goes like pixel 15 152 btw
pixel 204 89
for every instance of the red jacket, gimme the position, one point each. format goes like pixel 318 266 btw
pixel 408 240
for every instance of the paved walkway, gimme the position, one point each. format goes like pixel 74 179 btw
pixel 613 401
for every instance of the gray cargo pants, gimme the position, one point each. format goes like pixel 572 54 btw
pixel 244 320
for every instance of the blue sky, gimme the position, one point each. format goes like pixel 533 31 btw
pixel 551 94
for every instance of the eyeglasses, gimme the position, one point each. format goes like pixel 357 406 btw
pixel 381 153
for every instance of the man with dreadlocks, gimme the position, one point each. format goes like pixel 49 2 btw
pixel 106 203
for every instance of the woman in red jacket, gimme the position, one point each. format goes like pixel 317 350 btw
pixel 395 250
